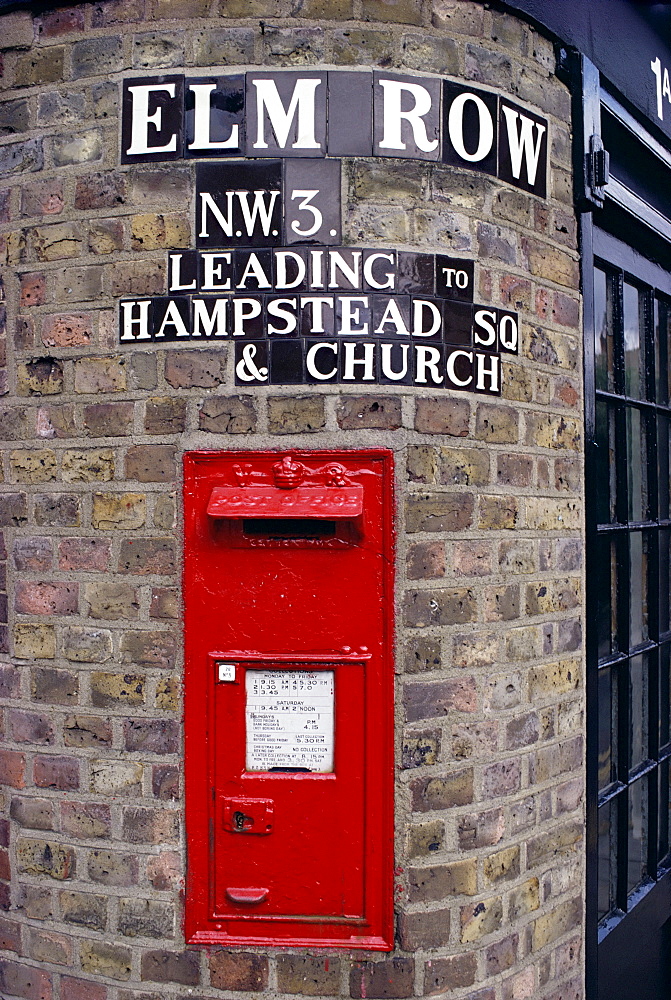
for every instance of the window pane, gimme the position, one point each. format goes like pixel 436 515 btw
pixel 603 331
pixel 664 582
pixel 607 726
pixel 637 867
pixel 664 802
pixel 605 578
pixel 638 710
pixel 664 695
pixel 607 857
pixel 634 370
pixel 605 471
pixel 637 474
pixel 638 588
pixel 662 372
pixel 663 464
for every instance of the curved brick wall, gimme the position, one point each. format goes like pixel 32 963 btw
pixel 489 695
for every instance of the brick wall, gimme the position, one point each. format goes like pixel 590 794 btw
pixel 490 691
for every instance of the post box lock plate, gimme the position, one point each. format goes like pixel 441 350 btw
pixel 247 815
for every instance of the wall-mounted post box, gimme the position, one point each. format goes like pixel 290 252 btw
pixel 288 595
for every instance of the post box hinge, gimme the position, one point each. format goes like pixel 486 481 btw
pixel 597 169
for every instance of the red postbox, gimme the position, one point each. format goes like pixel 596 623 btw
pixel 288 594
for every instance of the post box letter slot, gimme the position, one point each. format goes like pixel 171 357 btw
pixel 288 527
pixel 247 896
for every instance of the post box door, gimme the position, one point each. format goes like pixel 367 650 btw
pixel 289 697
pixel 283 825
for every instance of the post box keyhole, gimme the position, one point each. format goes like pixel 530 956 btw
pixel 241 821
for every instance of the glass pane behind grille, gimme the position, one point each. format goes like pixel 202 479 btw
pixel 662 330
pixel 603 333
pixel 638 588
pixel 663 465
pixel 607 862
pixel 605 461
pixel 637 472
pixel 607 726
pixel 637 838
pixel 638 710
pixel 605 570
pixel 634 363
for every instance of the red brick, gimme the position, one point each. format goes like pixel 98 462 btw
pixel 82 989
pixel 566 310
pixel 442 791
pixel 442 416
pixel 151 463
pixel 43 197
pixel 481 829
pixel 194 369
pixel 389 978
pixel 147 555
pixel 45 946
pixel 164 870
pixel 32 813
pixel 150 648
pixel 369 412
pixel 108 419
pixel 171 967
pixel 502 955
pixel 54 23
pixel 84 553
pixel 5 867
pixel 151 735
pixel 67 330
pixel 37 598
pixel 107 12
pixel 33 553
pixel 427 699
pixel 308 975
pixel 30 727
pixel 9 681
pixel 100 190
pixel 4 834
pixel 238 971
pixel 515 292
pixel 20 980
pixel 542 303
pixel 33 289
pixel 442 975
pixel 165 782
pixel 56 687
pixel 424 929
pixel 426 561
pixel 24 333
pixel 165 415
pixel 439 512
pixel 87 820
pixel 164 603
pixel 12 768
pixel 87 731
pixel 439 607
pixel 56 772
pixel 150 826
pixel 500 778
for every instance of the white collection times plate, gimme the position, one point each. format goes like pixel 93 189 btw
pixel 289 718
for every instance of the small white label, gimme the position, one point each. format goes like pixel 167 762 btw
pixel 225 671
pixel 290 719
